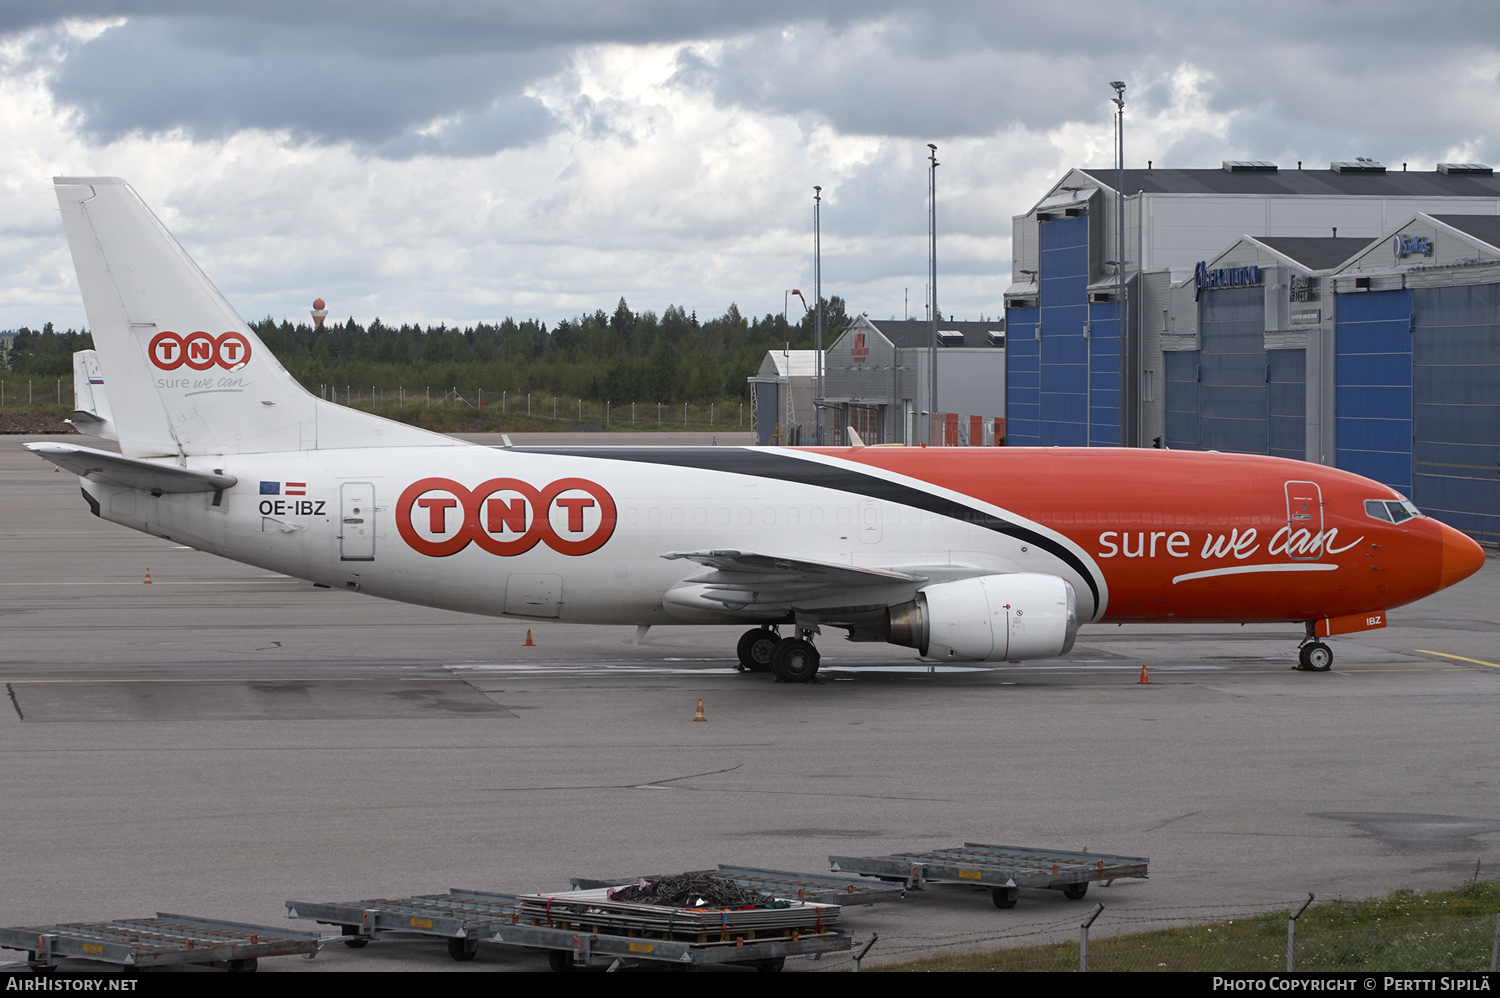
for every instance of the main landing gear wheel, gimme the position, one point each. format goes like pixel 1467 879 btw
pixel 1005 897
pixel 1315 657
pixel 756 648
pixel 795 660
pixel 1075 892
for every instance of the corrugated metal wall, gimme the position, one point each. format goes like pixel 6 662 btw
pixel 1023 378
pixel 1456 407
pixel 1234 401
pixel 1287 402
pixel 1064 275
pixel 1373 375
pixel 1182 402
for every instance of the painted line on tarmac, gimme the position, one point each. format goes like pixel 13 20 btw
pixel 1442 654
pixel 196 582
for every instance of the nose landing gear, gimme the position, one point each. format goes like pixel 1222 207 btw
pixel 1314 656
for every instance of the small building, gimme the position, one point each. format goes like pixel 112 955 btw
pixel 781 397
pixel 876 380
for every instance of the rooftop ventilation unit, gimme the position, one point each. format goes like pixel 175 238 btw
pixel 950 337
pixel 997 338
pixel 1479 169
pixel 1357 165
pixel 1248 166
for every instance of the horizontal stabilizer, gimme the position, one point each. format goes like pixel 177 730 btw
pixel 132 473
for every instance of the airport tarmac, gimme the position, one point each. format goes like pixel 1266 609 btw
pixel 226 739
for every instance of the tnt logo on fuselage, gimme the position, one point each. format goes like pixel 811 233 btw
pixel 199 350
pixel 439 517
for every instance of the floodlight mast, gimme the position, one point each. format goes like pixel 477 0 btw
pixel 1122 322
pixel 932 315
pixel 818 315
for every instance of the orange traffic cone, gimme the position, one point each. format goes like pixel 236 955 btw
pixel 529 643
pixel 700 716
pixel 148 577
pixel 1143 679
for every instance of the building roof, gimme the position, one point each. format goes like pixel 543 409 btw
pixel 1485 228
pixel 907 333
pixel 1399 183
pixel 791 363
pixel 1315 252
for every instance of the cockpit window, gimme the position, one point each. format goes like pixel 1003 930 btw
pixel 1391 510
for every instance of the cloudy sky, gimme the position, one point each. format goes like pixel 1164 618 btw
pixel 469 161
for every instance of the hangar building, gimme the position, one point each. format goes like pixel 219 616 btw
pixel 1349 317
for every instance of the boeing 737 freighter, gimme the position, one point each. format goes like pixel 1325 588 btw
pixel 964 554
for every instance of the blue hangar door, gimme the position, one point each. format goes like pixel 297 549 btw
pixel 1456 407
pixel 1372 397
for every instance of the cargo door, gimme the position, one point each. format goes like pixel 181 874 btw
pixel 357 521
pixel 533 595
pixel 1304 521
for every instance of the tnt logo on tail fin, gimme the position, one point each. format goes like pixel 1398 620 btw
pixel 187 375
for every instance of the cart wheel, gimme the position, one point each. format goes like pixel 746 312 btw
pixel 461 949
pixel 354 942
pixel 1075 892
pixel 560 960
pixel 772 966
pixel 245 966
pixel 1005 897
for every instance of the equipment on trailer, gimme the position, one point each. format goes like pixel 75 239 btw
pixel 1003 869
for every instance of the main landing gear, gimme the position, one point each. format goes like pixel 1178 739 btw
pixel 793 660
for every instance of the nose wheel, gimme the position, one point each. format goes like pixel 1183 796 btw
pixel 1314 656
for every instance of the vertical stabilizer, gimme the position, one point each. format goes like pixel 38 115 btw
pixel 187 375
pixel 90 400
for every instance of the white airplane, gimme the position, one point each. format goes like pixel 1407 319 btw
pixel 965 554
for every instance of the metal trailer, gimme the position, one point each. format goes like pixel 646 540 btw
pixel 1003 869
pixel 800 886
pixel 148 943
pixel 571 947
pixel 467 918
pixel 464 918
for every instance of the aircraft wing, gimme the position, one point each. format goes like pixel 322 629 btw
pixel 113 469
pixel 743 578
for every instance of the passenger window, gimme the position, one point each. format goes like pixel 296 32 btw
pixel 700 516
pixel 653 516
pixel 632 516
pixel 768 514
pixel 815 515
pixel 1375 509
pixel 723 516
pixel 677 516
pixel 793 516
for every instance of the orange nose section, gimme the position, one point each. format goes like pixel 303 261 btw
pixel 1461 557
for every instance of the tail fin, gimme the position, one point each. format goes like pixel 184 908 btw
pixel 90 403
pixel 187 375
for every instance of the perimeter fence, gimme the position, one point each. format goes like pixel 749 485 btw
pixel 1144 940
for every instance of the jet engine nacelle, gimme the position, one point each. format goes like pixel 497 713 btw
pixel 992 618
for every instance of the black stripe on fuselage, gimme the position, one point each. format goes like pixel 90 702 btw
pixel 841 478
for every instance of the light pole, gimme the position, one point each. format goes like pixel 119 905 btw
pixel 818 315
pixel 932 338
pixel 1122 325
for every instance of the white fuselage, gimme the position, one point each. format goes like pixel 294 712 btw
pixel 307 514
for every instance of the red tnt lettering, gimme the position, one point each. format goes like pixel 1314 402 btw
pixel 509 516
pixel 201 350
pixel 575 508
pixel 437 511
